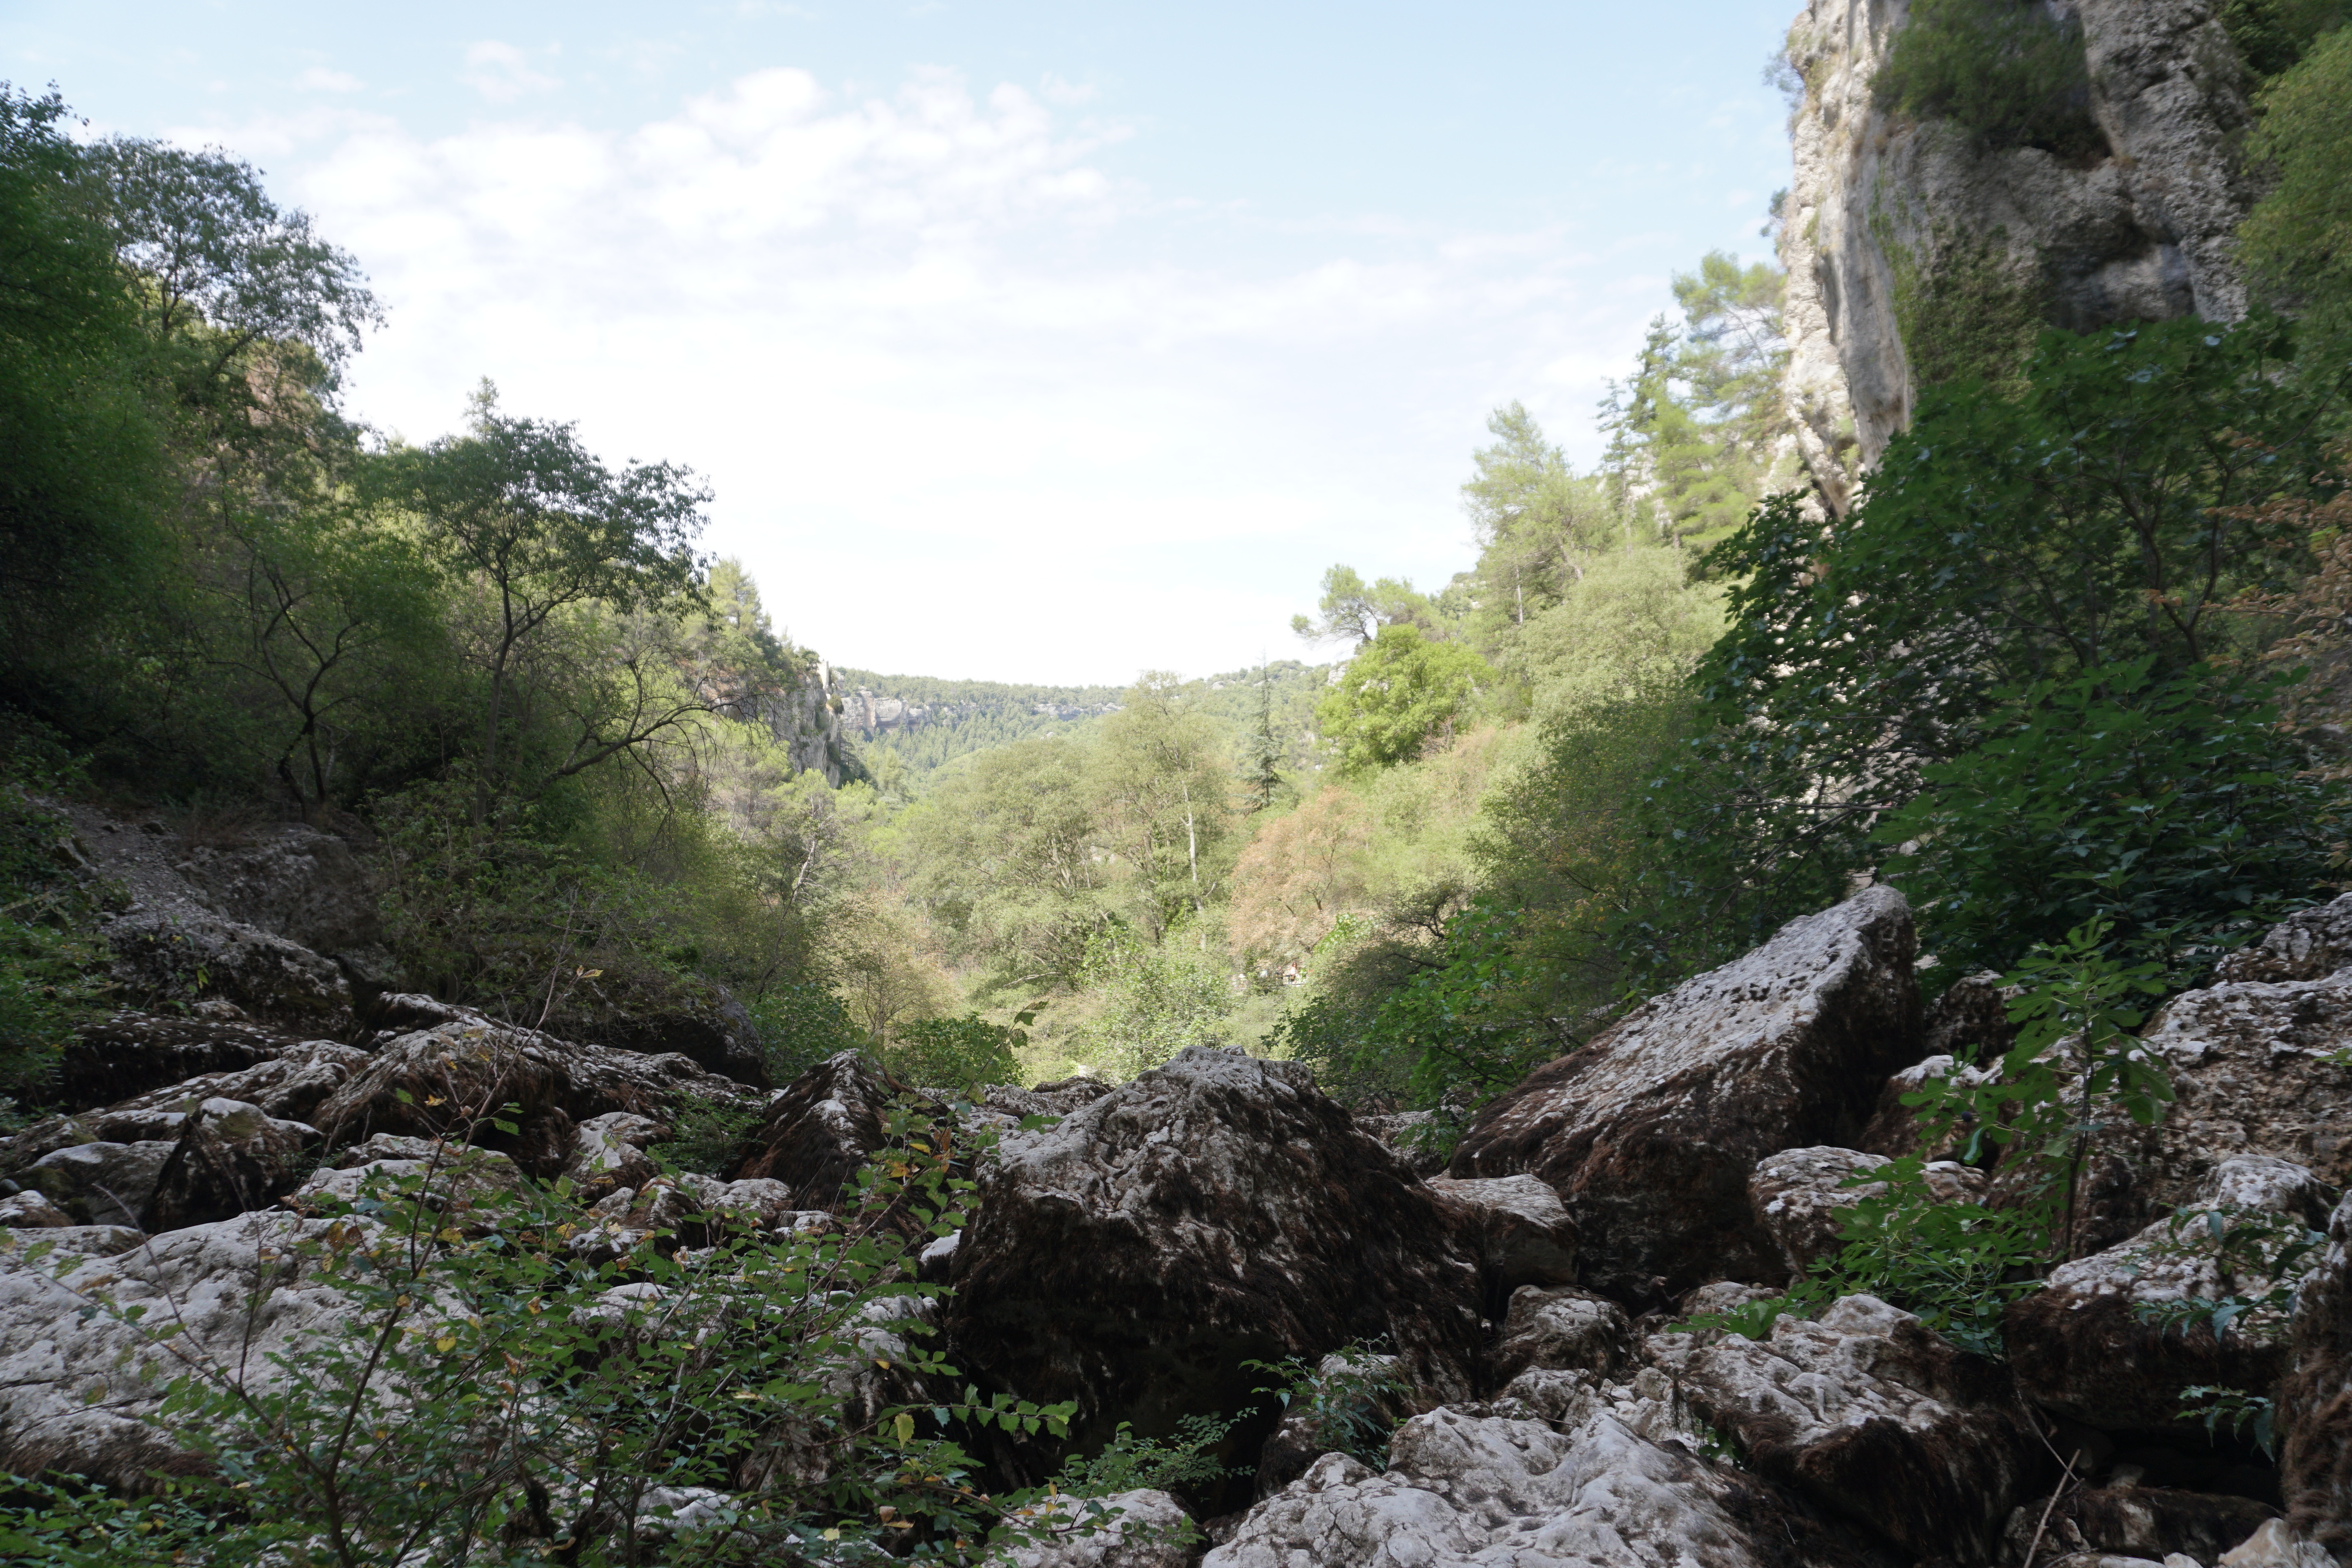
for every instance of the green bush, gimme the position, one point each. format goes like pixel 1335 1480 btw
pixel 2175 810
pixel 962 1054
pixel 2005 69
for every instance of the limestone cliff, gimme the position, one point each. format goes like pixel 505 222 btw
pixel 802 712
pixel 1918 250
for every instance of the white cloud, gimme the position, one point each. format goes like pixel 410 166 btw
pixel 972 404
pixel 502 73
pixel 317 78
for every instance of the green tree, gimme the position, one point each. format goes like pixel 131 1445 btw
pixel 1161 779
pixel 1349 609
pixel 1398 693
pixel 553 547
pixel 2298 239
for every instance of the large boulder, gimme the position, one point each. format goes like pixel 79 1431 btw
pixel 1217 1209
pixel 132 1052
pixel 1560 1330
pixel 302 884
pixel 1649 1133
pixel 2309 944
pixel 2139 1522
pixel 78 1390
pixel 1894 1129
pixel 1873 1414
pixel 1516 1227
pixel 1562 1478
pixel 286 1087
pixel 822 1129
pixel 463 1077
pixel 690 1017
pixel 162 1170
pixel 2086 1348
pixel 181 954
pixel 2315 1402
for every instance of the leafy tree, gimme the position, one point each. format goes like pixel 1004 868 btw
pixel 1157 998
pixel 1350 609
pixel 544 536
pixel 965 1054
pixel 1160 777
pixel 1396 693
pixel 1538 524
pixel 2010 72
pixel 1302 873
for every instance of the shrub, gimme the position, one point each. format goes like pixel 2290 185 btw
pixel 962 1054
pixel 2006 69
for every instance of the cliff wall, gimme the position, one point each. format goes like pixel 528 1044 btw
pixel 1919 251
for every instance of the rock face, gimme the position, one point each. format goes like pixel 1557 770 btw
pixel 164 955
pixel 1215 1209
pixel 1888 220
pixel 76 1391
pixel 2144 1523
pixel 1877 1415
pixel 2315 1402
pixel 2081 1348
pixel 1562 1329
pixel 1514 1489
pixel 132 1052
pixel 1650 1132
pixel 2310 944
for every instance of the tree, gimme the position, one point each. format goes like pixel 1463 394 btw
pixel 1538 524
pixel 1349 609
pixel 2298 239
pixel 553 547
pixel 1300 876
pixel 1159 774
pixel 1265 781
pixel 1396 694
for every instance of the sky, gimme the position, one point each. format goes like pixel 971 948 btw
pixel 1048 341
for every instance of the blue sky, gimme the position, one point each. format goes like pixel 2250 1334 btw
pixel 1030 341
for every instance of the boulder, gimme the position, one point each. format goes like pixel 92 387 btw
pixel 2309 944
pixel 1147 1530
pixel 1216 1210
pixel 1512 1488
pixel 822 1129
pixel 1800 1195
pixel 690 1017
pixel 1413 1134
pixel 689 1210
pixel 1516 1227
pixel 184 953
pixel 1649 1133
pixel 1894 1128
pixel 452 1177
pixel 610 1152
pixel 1562 1329
pixel 160 1170
pixel 2315 1401
pixel 2153 1522
pixel 134 1052
pixel 458 1078
pixel 30 1209
pixel 286 1087
pixel 78 1391
pixel 1874 1414
pixel 1058 1098
pixel 2276 1545
pixel 296 881
pixel 2082 1347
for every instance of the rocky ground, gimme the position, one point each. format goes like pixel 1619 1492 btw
pixel 1132 1253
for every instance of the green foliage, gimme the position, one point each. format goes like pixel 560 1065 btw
pixel 1353 1398
pixel 2298 238
pixel 51 968
pixel 65 1523
pixel 488 1397
pixel 708 1136
pixel 1352 609
pixel 2237 1406
pixel 1157 998
pixel 1182 1463
pixel 801 1023
pixel 2007 70
pixel 2109 515
pixel 960 1053
pixel 1400 690
pixel 2173 810
pixel 2271 36
pixel 1966 313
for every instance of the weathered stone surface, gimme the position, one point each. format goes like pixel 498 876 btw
pixel 822 1128
pixel 1059 1098
pixel 690 1209
pixel 134 1052
pixel 1894 1131
pixel 1873 1412
pixel 182 954
pixel 2309 944
pixel 1562 1329
pixel 1516 1227
pixel 1147 1533
pixel 1465 1488
pixel 1409 1133
pixel 459 1074
pixel 609 1151
pixel 2315 1402
pixel 2080 1347
pixel 77 1392
pixel 1215 1209
pixel 691 1017
pixel 1352 1406
pixel 1800 1195
pixel 286 1087
pixel 452 1176
pixel 102 1182
pixel 1649 1134
pixel 2276 1545
pixel 2139 1521
pixel 284 877
pixel 31 1209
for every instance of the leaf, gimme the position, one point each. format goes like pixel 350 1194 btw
pixel 906 1428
